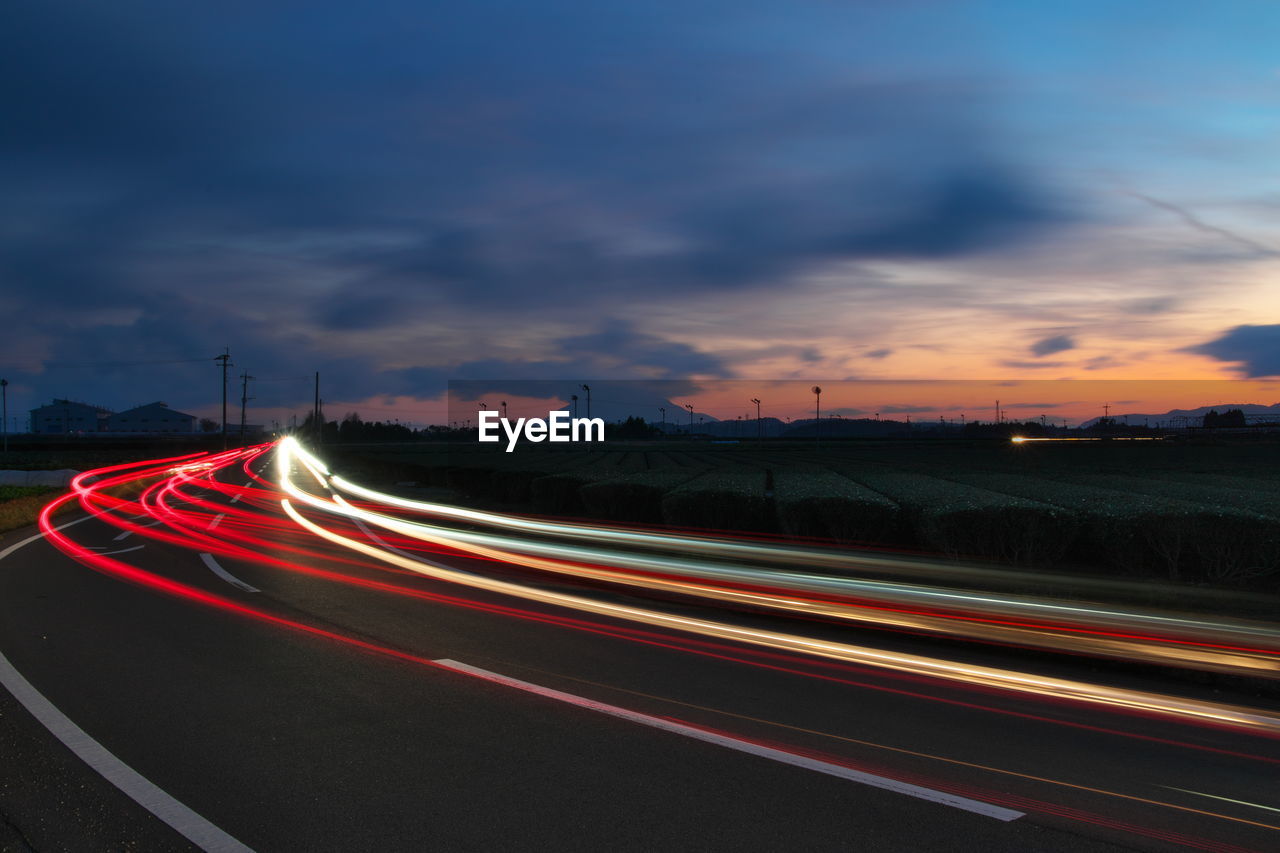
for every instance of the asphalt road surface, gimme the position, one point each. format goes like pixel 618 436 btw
pixel 310 698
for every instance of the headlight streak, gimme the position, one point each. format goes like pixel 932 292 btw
pixel 791 643
pixel 1006 620
pixel 158 583
pixel 1119 698
pixel 808 558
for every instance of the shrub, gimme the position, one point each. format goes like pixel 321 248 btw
pixel 635 497
pixel 724 499
pixel 964 520
pixel 813 502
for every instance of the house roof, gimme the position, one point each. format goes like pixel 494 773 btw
pixel 151 407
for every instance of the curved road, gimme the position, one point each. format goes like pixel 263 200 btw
pixel 282 691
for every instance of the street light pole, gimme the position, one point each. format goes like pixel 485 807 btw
pixel 759 423
pixel 664 419
pixel 817 413
pixel 587 388
pixel 689 406
pixel 4 418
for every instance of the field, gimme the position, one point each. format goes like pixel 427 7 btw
pixel 1199 514
pixel 20 505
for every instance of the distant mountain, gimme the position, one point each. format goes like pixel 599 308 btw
pixel 1174 417
pixel 616 405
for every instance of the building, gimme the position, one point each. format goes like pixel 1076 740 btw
pixel 152 418
pixel 65 417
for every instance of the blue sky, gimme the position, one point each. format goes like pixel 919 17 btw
pixel 396 194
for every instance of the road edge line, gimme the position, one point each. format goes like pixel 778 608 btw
pixel 186 822
pixel 838 770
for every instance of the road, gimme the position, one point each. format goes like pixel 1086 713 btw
pixel 286 691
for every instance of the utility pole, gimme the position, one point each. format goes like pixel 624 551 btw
pixel 664 419
pixel 4 418
pixel 504 410
pixel 244 400
pixel 689 406
pixel 315 413
pixel 225 358
pixel 574 398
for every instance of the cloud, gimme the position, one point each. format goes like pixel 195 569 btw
pixel 1256 349
pixel 878 353
pixel 1031 365
pixel 536 173
pixel 1048 346
pixel 1200 225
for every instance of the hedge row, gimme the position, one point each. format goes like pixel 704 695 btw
pixel 1144 534
pixel 723 499
pixel 964 520
pixel 1174 524
pixel 816 503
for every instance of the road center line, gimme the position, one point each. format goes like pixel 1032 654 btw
pixel 1224 799
pixel 137 787
pixel 226 575
pixel 122 551
pixel 124 535
pixel 234 499
pixel 837 770
pixel 215 521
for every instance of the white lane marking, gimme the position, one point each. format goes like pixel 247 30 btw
pixel 16 545
pixel 190 825
pixel 840 771
pixel 215 521
pixel 109 553
pixel 122 551
pixel 137 787
pixel 226 575
pixel 125 534
pixel 1224 799
pixel 234 499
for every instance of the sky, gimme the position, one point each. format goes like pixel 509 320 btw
pixel 396 194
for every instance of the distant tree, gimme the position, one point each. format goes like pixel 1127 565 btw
pixel 632 427
pixel 209 425
pixel 1229 418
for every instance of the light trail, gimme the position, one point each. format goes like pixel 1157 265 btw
pixel 979 676
pixel 168 506
pixel 1241 648
pixel 181 527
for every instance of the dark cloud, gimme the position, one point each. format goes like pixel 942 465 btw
pixel 1048 346
pixel 879 353
pixel 257 175
pixel 1256 349
pixel 617 351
